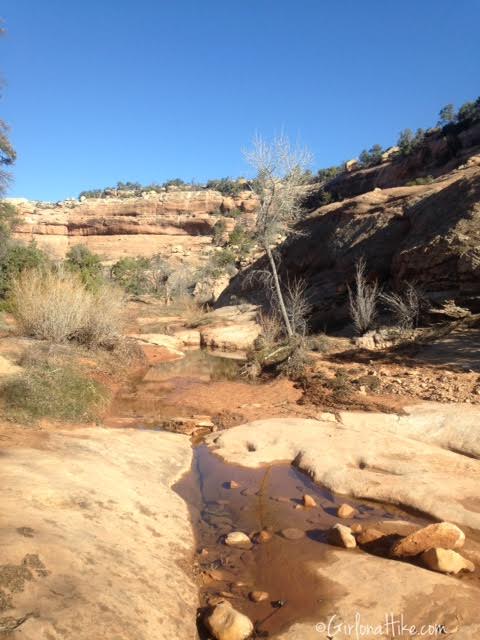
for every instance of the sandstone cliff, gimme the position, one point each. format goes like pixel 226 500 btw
pixel 178 221
pixel 427 234
pixel 440 154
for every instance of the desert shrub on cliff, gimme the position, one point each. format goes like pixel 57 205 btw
pixel 226 186
pixel 372 157
pixel 55 305
pixel 409 142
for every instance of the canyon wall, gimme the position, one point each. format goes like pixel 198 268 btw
pixel 428 235
pixel 174 221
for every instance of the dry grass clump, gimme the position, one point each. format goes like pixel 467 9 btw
pixel 56 306
pixel 363 301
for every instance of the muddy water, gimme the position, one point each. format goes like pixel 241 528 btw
pixel 269 499
pixel 150 398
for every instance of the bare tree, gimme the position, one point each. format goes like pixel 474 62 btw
pixel 298 306
pixel 363 301
pixel 280 178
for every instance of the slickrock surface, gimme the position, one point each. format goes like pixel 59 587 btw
pixel 93 540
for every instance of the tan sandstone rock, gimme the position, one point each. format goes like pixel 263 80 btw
pixel 226 623
pixel 444 535
pixel 342 536
pixel 93 525
pixel 347 458
pixel 239 540
pixel 346 511
pixel 446 561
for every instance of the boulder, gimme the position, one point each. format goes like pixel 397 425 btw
pixel 226 623
pixel 444 535
pixel 234 337
pixel 342 536
pixel 446 561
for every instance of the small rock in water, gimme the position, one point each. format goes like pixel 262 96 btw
pixel 443 535
pixel 356 527
pixel 218 575
pixel 346 511
pixel 263 536
pixel 292 534
pixel 226 623
pixel 446 561
pixel 258 596
pixel 342 536
pixel 308 501
pixel 233 484
pixel 370 535
pixel 239 540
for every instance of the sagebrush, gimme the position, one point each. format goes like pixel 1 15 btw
pixel 57 306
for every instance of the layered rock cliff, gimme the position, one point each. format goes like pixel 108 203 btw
pixel 178 221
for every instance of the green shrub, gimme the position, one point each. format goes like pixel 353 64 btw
pixel 408 142
pixel 324 175
pixel 233 213
pixel 131 274
pixel 226 186
pixel 8 220
pixel 88 265
pixel 142 275
pixel 420 180
pixel 52 390
pixel 371 157
pixel 218 232
pixel 16 257
pixel 174 182
pixel 241 238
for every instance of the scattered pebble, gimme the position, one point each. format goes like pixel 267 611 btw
pixel 258 596
pixel 292 534
pixel 342 536
pixel 308 501
pixel 346 511
pixel 233 484
pixel 356 527
pixel 263 536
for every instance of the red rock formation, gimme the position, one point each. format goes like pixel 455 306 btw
pixel 172 221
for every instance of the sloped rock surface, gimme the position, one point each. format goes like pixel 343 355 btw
pixel 93 538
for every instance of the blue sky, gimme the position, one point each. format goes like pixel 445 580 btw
pixel 106 90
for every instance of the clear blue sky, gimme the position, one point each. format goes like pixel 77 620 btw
pixel 106 90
